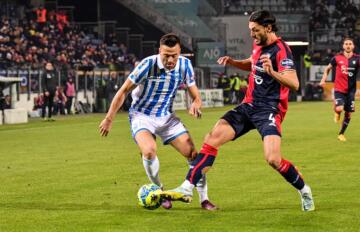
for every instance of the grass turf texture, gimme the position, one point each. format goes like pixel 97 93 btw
pixel 62 176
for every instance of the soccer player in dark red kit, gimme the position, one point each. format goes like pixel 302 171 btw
pixel 345 67
pixel 272 75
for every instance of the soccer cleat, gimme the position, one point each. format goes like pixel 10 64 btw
pixel 341 137
pixel 178 194
pixel 166 204
pixel 208 205
pixel 307 201
pixel 336 117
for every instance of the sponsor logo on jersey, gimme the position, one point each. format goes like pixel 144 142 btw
pixel 258 79
pixel 258 68
pixel 287 63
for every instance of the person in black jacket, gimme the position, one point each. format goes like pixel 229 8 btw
pixel 49 82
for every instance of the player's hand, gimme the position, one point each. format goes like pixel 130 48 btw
pixel 195 110
pixel 224 60
pixel 266 63
pixel 322 84
pixel 105 127
pixel 47 93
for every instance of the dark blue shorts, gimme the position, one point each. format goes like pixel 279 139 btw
pixel 345 99
pixel 246 117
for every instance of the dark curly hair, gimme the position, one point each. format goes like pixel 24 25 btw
pixel 264 18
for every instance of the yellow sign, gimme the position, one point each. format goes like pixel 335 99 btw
pixel 329 91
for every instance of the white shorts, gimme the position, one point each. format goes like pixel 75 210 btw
pixel 167 127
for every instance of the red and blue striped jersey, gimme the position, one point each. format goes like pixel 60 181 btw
pixel 344 72
pixel 264 89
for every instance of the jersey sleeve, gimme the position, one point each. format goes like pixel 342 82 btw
pixel 333 61
pixel 140 72
pixel 189 73
pixel 285 60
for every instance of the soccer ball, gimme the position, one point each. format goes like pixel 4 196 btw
pixel 147 197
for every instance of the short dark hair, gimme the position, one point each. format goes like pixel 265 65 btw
pixel 264 18
pixel 348 38
pixel 170 40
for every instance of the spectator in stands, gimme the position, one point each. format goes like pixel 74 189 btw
pixel 70 94
pixel 243 87
pixel 60 101
pixel 49 82
pixel 112 87
pixel 41 17
pixel 7 102
pixel 224 84
pixel 2 99
pixel 232 89
pixel 38 102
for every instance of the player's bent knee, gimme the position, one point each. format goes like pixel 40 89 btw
pixel 149 153
pixel 339 109
pixel 274 161
pixel 192 155
pixel 213 138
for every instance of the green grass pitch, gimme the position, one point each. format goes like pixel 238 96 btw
pixel 62 176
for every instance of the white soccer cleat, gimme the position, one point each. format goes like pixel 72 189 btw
pixel 307 201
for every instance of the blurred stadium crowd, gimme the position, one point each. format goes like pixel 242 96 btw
pixel 32 36
pixel 31 39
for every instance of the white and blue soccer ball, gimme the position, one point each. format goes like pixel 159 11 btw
pixel 148 197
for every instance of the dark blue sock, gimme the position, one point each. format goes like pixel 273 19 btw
pixel 345 124
pixel 204 159
pixel 289 172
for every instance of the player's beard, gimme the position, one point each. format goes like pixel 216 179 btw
pixel 348 50
pixel 261 40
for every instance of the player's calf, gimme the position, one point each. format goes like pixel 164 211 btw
pixel 344 125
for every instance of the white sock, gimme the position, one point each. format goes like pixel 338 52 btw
pixel 152 170
pixel 305 189
pixel 202 189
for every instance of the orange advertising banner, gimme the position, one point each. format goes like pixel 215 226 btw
pixel 328 94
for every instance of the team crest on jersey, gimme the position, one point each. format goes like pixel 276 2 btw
pixel 287 63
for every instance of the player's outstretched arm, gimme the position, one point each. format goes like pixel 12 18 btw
pixel 325 75
pixel 117 102
pixel 196 101
pixel 241 64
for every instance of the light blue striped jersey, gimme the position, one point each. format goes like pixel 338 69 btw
pixel 157 87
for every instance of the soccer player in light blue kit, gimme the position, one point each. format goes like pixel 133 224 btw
pixel 154 83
